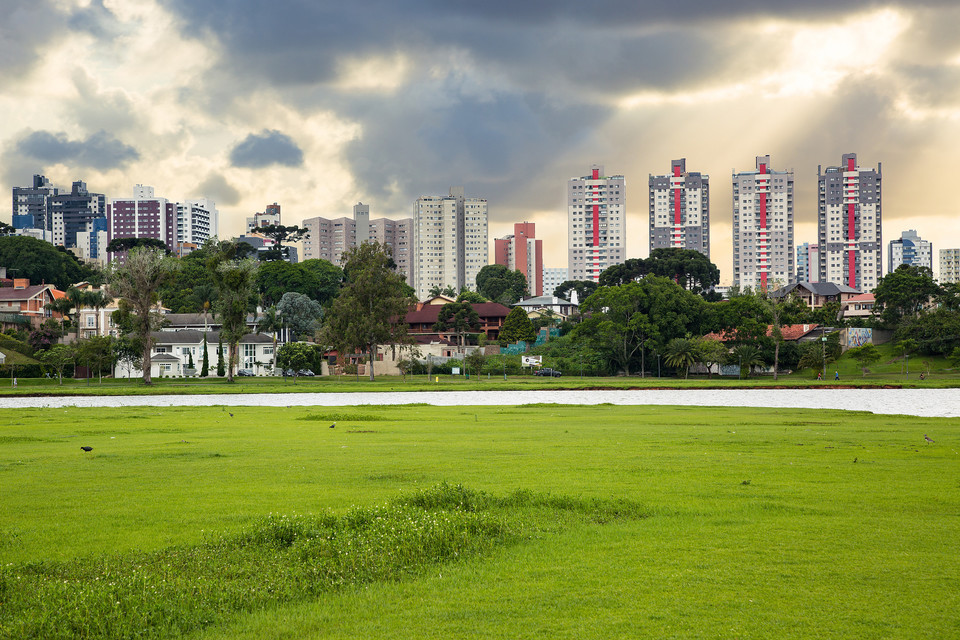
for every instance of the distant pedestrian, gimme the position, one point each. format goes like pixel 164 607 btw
pixel 922 376
pixel 819 375
pixel 836 375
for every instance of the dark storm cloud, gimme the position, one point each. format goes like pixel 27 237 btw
pixel 219 190
pixel 101 150
pixel 267 148
pixel 25 29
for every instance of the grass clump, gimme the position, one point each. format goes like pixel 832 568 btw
pixel 277 559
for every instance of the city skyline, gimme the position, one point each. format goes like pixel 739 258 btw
pixel 319 107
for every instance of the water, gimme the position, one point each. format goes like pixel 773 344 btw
pixel 944 403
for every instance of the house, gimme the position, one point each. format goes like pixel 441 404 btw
pixel 422 316
pixel 173 350
pixel 541 304
pixel 860 306
pixel 817 294
pixel 24 304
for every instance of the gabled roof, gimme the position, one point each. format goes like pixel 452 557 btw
pixel 790 332
pixel 429 314
pixel 819 288
pixel 863 297
pixel 9 294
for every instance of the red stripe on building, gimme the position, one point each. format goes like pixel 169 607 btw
pixel 763 227
pixel 851 234
pixel 677 201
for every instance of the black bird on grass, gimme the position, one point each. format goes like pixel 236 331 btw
pixel 87 448
pixel 333 425
pixel 231 415
pixel 927 438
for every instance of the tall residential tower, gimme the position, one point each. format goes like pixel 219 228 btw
pixel 524 253
pixel 449 241
pixel 763 253
pixel 596 223
pixel 680 209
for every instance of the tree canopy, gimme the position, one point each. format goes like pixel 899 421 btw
pixel 118 245
pixel 583 288
pixel 501 284
pixel 903 294
pixel 689 268
pixel 517 326
pixel 39 261
pixel 459 317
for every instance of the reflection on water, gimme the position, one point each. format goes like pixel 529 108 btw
pixel 918 402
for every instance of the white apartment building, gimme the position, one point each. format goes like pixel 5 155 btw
pixel 949 266
pixel 763 253
pixel 680 209
pixel 197 221
pixel 596 223
pixel 849 224
pixel 910 249
pixel 553 277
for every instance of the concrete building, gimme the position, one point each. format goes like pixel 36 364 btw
pixel 143 216
pixel 450 241
pixel 949 266
pixel 849 224
pixel 269 217
pixel 31 205
pixel 197 221
pixel 680 209
pixel 553 277
pixel 524 253
pixel 763 253
pixel 596 223
pixel 808 263
pixel 75 212
pixel 910 249
pixel 398 235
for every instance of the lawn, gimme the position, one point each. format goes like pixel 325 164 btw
pixel 738 522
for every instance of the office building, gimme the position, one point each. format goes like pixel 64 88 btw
pixel 524 253
pixel 849 224
pixel 74 212
pixel 31 205
pixel 910 249
pixel 596 223
pixel 763 252
pixel 680 209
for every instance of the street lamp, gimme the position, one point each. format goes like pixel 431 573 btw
pixel 823 348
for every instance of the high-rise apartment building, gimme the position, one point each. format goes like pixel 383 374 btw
pixel 450 241
pixel 949 266
pixel 596 223
pixel 269 217
pixel 808 262
pixel 763 227
pixel 75 212
pixel 143 216
pixel 910 249
pixel 31 205
pixel 553 277
pixel 680 209
pixel 327 239
pixel 849 224
pixel 197 221
pixel 524 253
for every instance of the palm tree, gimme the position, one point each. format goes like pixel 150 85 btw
pixel 80 299
pixel 98 299
pixel 63 306
pixel 746 355
pixel 271 322
pixel 682 352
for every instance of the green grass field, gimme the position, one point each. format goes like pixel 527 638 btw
pixel 630 522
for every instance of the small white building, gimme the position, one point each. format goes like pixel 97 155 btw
pixel 173 351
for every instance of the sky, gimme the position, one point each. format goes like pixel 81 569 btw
pixel 318 105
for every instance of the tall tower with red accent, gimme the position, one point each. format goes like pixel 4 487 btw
pixel 522 252
pixel 763 252
pixel 680 209
pixel 849 221
pixel 596 223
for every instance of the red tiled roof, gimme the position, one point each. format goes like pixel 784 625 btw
pixel 11 294
pixel 429 313
pixel 790 332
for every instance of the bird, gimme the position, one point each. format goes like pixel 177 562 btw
pixel 87 448
pixel 927 438
pixel 333 425
pixel 231 415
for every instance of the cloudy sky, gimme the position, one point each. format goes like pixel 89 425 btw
pixel 318 105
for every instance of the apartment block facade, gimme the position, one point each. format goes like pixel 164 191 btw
pixel 763 249
pixel 949 266
pixel 680 209
pixel 596 223
pixel 808 262
pixel 144 215
pixel 522 252
pixel 849 224
pixel 910 249
pixel 450 241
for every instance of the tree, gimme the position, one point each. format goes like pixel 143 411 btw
pixel 329 279
pixel 681 353
pixel 98 299
pixel 501 284
pixel 280 234
pixel 236 287
pixel 300 313
pixel 473 297
pixel 294 356
pixel 372 305
pixel 783 310
pixel 98 353
pixel 436 291
pixel 48 334
pixel 712 352
pixel 865 355
pixel 221 366
pixel 39 261
pixel 689 268
pixel 903 294
pixel 58 357
pixel 904 348
pixel 460 317
pixel 119 245
pixel 747 356
pixel 584 289
pixel 128 351
pixel 278 277
pixel 205 363
pixel 954 358
pixel 271 322
pixel 136 283
pixel 936 332
pixel 78 300
pixel 63 306
pixel 516 327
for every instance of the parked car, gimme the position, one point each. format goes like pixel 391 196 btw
pixel 305 372
pixel 245 372
pixel 547 371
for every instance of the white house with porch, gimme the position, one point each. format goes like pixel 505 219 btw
pixel 173 351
